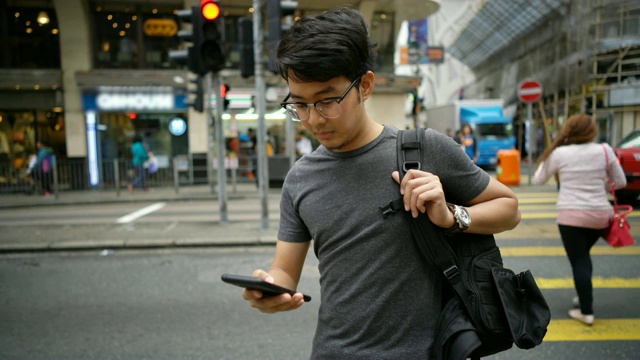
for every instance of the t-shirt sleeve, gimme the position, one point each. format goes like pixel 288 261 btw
pixel 461 179
pixel 292 227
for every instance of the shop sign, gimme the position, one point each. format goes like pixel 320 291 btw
pixel 160 27
pixel 135 101
pixel 177 126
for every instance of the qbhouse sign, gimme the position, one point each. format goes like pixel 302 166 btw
pixel 529 91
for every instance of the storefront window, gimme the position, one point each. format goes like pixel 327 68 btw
pixel 19 132
pixel 32 36
pixel 130 37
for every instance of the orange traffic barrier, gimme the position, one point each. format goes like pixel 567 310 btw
pixel 508 168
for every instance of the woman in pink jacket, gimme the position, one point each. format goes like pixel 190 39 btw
pixel 584 210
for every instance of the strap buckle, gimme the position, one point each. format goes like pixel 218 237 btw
pixel 408 165
pixel 451 272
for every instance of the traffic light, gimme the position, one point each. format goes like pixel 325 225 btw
pixel 206 54
pixel 279 19
pixel 224 90
pixel 197 101
pixel 210 36
pixel 189 55
pixel 247 60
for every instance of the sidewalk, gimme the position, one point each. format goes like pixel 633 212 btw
pixel 241 230
pixel 241 191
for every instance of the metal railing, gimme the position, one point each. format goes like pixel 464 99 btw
pixel 117 174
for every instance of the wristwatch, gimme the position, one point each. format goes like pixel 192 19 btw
pixel 461 217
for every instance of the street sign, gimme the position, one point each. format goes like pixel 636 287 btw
pixel 529 91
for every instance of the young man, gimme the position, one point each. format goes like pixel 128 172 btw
pixel 379 298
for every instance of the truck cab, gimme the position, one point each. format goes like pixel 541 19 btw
pixel 492 130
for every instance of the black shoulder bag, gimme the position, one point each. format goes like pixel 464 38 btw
pixel 492 307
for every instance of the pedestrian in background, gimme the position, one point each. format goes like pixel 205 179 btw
pixel 379 298
pixel 469 142
pixel 43 167
pixel 140 156
pixel 303 144
pixel 584 211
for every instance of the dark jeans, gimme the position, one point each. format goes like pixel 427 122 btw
pixel 45 179
pixel 140 177
pixel 578 242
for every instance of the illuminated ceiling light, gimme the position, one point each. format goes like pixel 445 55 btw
pixel 122 33
pixel 28 23
pixel 155 11
pixel 251 10
pixel 17 14
pixel 29 30
pixel 115 25
pixel 134 18
pixel 36 87
pixel 43 18
pixel 55 31
pixel 109 17
pixel 127 25
pixel 17 87
pixel 98 9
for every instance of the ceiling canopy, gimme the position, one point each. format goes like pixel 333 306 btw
pixel 496 25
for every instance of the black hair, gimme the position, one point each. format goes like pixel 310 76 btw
pixel 321 47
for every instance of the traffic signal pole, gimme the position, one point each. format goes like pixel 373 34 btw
pixel 221 149
pixel 261 153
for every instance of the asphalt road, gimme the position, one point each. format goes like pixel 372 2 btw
pixel 169 303
pixel 159 304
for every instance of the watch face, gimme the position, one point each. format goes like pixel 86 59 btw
pixel 463 217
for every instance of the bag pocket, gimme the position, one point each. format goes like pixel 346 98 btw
pixel 485 298
pixel 524 306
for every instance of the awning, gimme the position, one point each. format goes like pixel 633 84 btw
pixel 496 25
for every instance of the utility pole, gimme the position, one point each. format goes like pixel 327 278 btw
pixel 261 153
pixel 221 149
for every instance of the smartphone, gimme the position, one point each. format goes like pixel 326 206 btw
pixel 253 283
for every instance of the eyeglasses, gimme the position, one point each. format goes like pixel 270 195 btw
pixel 327 107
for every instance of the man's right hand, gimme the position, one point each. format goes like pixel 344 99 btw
pixel 271 304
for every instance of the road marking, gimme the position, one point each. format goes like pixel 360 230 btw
pixel 140 213
pixel 597 281
pixel 538 200
pixel 518 251
pixel 554 214
pixel 602 330
pixel 535 195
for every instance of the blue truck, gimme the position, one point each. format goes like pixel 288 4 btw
pixel 493 130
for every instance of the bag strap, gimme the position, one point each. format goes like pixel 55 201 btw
pixel 431 240
pixel 606 166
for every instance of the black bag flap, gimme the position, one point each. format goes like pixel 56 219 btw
pixel 524 306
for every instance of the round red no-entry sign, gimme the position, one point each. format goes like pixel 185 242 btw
pixel 529 91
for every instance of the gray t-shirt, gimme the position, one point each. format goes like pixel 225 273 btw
pixel 379 299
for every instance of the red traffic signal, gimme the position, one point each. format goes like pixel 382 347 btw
pixel 210 10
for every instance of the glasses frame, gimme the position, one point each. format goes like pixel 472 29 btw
pixel 337 99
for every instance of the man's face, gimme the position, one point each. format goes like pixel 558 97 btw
pixel 340 133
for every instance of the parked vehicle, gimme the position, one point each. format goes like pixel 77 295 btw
pixel 493 130
pixel 628 152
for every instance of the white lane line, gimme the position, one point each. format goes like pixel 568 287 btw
pixel 140 213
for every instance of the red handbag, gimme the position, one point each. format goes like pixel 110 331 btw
pixel 619 232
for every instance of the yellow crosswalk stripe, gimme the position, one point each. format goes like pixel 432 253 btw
pixel 538 200
pixel 602 330
pixel 554 214
pixel 534 194
pixel 597 281
pixel 519 251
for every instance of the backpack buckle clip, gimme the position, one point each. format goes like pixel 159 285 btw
pixel 408 165
pixel 451 272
